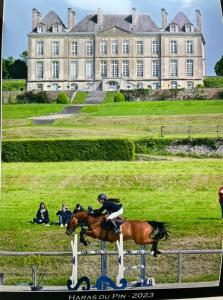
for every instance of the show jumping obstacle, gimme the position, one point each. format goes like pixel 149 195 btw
pixel 103 282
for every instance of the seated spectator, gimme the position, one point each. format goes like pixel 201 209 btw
pixel 42 215
pixel 78 208
pixel 64 214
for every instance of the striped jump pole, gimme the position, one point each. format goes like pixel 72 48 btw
pixel 73 277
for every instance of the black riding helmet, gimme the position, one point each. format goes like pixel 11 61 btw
pixel 102 197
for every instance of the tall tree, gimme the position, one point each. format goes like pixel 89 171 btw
pixel 219 67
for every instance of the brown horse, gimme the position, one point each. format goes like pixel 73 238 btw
pixel 141 232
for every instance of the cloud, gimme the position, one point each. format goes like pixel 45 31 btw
pixel 116 6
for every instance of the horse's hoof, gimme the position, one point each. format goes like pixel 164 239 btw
pixel 153 253
pixel 158 252
pixel 86 243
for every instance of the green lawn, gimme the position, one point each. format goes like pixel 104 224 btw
pixel 80 97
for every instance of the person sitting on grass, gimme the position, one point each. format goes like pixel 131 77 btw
pixel 77 208
pixel 64 215
pixel 42 215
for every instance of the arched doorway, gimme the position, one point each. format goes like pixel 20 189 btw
pixel 112 85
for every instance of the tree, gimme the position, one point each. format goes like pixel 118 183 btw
pixel 6 63
pixel 18 70
pixel 23 56
pixel 219 67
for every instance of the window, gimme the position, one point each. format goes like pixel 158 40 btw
pixel 73 70
pixel 40 29
pixel 103 48
pixel 155 68
pixel 173 28
pixel 190 67
pixel 39 70
pixel 55 48
pixel 155 47
pixel 125 47
pixel 89 47
pixel 114 46
pixel 189 47
pixel 55 69
pixel 173 47
pixel 188 28
pixel 74 48
pixel 155 85
pixel 139 47
pixel 190 85
pixel 73 86
pixel 39 87
pixel 104 69
pixel 139 68
pixel 55 87
pixel 114 69
pixel 125 68
pixel 173 68
pixel 173 85
pixel 39 48
pixel 55 28
pixel 89 69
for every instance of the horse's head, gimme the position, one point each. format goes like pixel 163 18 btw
pixel 75 220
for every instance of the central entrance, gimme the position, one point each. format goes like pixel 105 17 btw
pixel 112 85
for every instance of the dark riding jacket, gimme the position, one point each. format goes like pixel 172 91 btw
pixel 44 216
pixel 110 206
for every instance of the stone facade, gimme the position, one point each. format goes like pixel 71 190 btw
pixel 108 52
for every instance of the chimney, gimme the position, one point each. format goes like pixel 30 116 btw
pixel 164 18
pixel 71 18
pixel 133 16
pixel 99 17
pixel 36 18
pixel 199 20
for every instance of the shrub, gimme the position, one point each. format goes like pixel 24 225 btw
pixel 137 94
pixel 13 85
pixel 119 97
pixel 213 82
pixel 221 94
pixel 62 98
pixel 199 86
pixel 67 150
pixel 12 99
pixel 33 97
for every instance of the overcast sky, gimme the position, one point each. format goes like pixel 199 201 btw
pixel 18 19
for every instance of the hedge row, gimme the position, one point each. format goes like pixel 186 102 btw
pixel 67 150
pixel 214 82
pixel 14 85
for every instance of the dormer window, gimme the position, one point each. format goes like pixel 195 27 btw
pixel 40 29
pixel 188 28
pixel 56 28
pixel 173 28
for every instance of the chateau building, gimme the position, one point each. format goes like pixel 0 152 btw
pixel 111 51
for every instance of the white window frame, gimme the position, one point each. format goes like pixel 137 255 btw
pixel 139 68
pixel 188 28
pixel 89 47
pixel 104 69
pixel 39 87
pixel 74 48
pixel 155 68
pixel 125 47
pixel 173 47
pixel 55 70
pixel 190 67
pixel 173 84
pixel 173 28
pixel 139 47
pixel 103 48
pixel 173 68
pixel 40 48
pixel 73 69
pixel 114 47
pixel 155 46
pixel 114 69
pixel 125 68
pixel 55 86
pixel 155 85
pixel 55 47
pixel 190 85
pixel 189 47
pixel 40 28
pixel 55 28
pixel 89 69
pixel 39 70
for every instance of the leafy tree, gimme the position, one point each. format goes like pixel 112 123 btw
pixel 18 70
pixel 219 67
pixel 6 63
pixel 23 56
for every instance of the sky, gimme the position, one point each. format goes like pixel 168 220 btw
pixel 18 19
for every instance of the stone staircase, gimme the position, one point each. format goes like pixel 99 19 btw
pixel 73 109
pixel 95 97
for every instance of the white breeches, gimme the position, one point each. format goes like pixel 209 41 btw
pixel 115 214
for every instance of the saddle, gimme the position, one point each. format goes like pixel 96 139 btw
pixel 113 225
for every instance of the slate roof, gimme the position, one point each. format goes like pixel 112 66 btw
pixel 52 19
pixel 181 19
pixel 89 23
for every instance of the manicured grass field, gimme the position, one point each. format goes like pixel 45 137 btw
pixel 181 192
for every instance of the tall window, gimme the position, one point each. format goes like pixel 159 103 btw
pixel 155 47
pixel 189 47
pixel 155 68
pixel 190 67
pixel 104 69
pixel 173 68
pixel 173 47
pixel 114 47
pixel 89 69
pixel 39 48
pixel 125 68
pixel 55 69
pixel 188 28
pixel 89 47
pixel 139 68
pixel 39 70
pixel 55 48
pixel 103 48
pixel 74 48
pixel 73 70
pixel 139 47
pixel 125 47
pixel 114 69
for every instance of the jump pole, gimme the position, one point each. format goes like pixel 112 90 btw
pixel 121 267
pixel 73 277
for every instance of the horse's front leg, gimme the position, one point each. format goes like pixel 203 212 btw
pixel 82 238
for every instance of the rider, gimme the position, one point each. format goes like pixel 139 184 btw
pixel 113 208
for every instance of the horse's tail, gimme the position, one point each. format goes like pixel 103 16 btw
pixel 159 230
